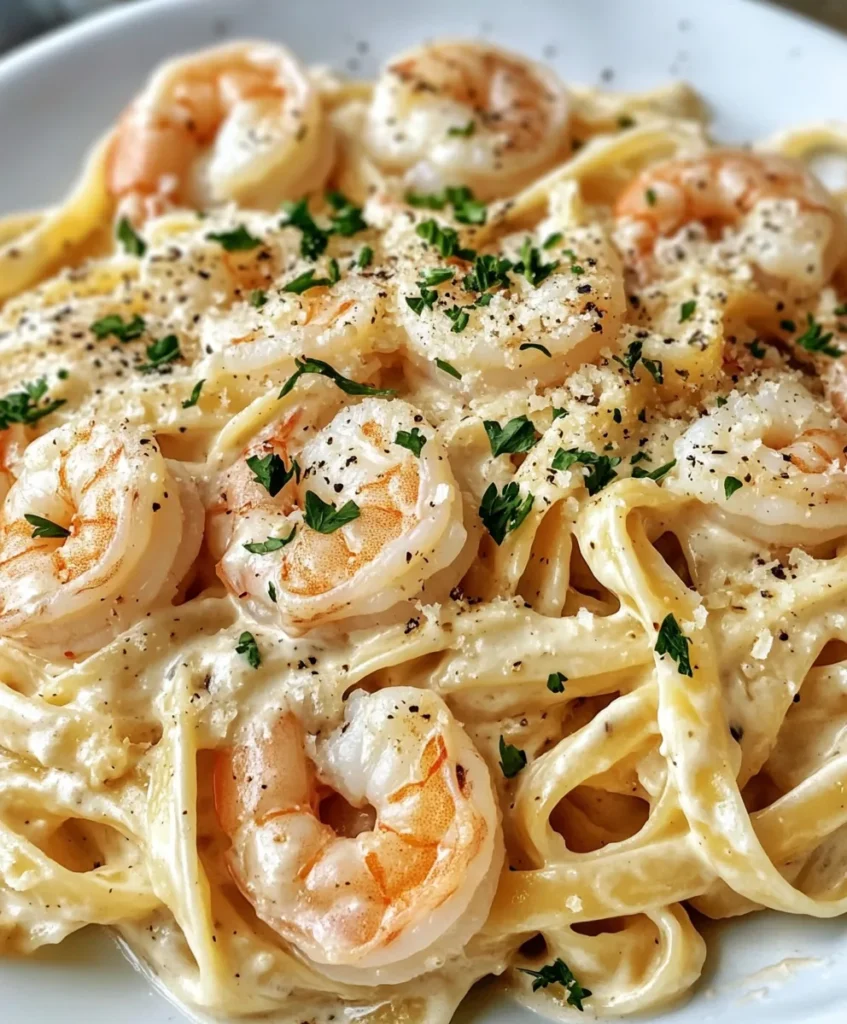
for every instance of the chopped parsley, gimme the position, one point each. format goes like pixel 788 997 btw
pixel 445 240
pixel 531 265
pixel 270 471
pixel 346 218
pixel 651 197
pixel 730 485
pixel 194 398
pixel 272 591
pixel 512 760
pixel 442 364
pixel 114 324
pixel 631 357
pixel 788 325
pixel 459 316
pixel 249 649
pixel 517 436
pixel 558 973
pixel 257 298
pixel 672 641
pixel 465 130
pixel 466 208
pixel 687 310
pixel 160 353
pixel 435 276
pixel 313 238
pixel 412 439
pixel 349 387
pixel 552 240
pixel 814 340
pixel 237 240
pixel 129 238
pixel 757 349
pixel 840 310
pixel 23 406
pixel 303 282
pixel 45 527
pixel 601 468
pixel 503 513
pixel 720 401
pixel 265 547
pixel 365 257
pixel 325 518
pixel 534 344
pixel 654 368
pixel 655 474
pixel 488 271
pixel 556 682
pixel 559 412
pixel 425 300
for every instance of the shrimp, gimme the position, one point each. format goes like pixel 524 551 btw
pixel 394 896
pixel 341 323
pixel 779 444
pixel 537 330
pixel 13 441
pixel 768 210
pixel 467 113
pixel 113 530
pixel 239 123
pixel 403 520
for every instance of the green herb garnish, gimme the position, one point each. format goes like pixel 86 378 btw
pixel 512 760
pixel 730 485
pixel 412 439
pixel 503 513
pixel 517 436
pixel 237 240
pixel 249 649
pixel 673 642
pixel 442 364
pixel 129 238
pixel 326 518
pixel 556 682
pixel 270 471
pixel 45 527
pixel 558 973
pixel 195 394
pixel 687 310
pixel 601 468
pixel 160 353
pixel 114 324
pixel 349 387
pixel 265 547
pixel 814 340
pixel 23 406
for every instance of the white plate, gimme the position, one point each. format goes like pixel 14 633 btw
pixel 761 69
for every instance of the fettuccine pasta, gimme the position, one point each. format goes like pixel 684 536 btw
pixel 424 505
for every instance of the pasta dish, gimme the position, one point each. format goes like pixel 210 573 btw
pixel 424 530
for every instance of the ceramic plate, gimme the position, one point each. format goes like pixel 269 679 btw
pixel 760 69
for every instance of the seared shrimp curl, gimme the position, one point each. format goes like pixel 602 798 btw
pixel 389 897
pixel 765 209
pixel 118 529
pixel 779 444
pixel 463 113
pixel 402 524
pixel 238 123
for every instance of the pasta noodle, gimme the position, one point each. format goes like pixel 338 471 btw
pixel 438 575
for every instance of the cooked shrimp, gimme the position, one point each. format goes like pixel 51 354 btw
pixel 118 528
pixel 13 441
pixel 768 210
pixel 537 330
pixel 779 443
pixel 405 521
pixel 240 122
pixel 340 323
pixel 467 113
pixel 394 895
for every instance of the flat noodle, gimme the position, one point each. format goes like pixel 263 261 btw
pixel 596 552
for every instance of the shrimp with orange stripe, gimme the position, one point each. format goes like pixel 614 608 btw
pixel 761 209
pixel 236 123
pixel 97 529
pixel 374 849
pixel 361 514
